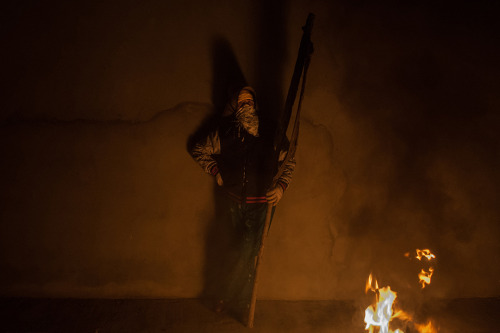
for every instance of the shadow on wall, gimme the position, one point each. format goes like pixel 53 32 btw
pixel 271 50
pixel 227 76
pixel 227 79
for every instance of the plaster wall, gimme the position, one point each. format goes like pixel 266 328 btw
pixel 398 146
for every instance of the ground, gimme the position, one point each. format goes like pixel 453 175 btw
pixel 192 315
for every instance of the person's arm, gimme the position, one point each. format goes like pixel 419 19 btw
pixel 274 195
pixel 286 176
pixel 203 153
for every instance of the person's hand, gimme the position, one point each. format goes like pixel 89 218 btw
pixel 274 195
pixel 218 179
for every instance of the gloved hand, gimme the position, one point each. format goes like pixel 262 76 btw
pixel 274 195
pixel 218 179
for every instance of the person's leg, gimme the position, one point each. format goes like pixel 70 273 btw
pixel 235 279
pixel 252 224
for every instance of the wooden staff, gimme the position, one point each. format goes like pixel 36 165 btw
pixel 301 66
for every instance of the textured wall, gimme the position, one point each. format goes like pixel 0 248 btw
pixel 398 148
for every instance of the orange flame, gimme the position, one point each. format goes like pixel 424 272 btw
pixel 426 328
pixel 381 313
pixel 425 253
pixel 369 286
pixel 425 277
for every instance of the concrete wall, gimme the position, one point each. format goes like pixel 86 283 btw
pixel 398 148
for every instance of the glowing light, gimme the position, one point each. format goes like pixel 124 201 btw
pixel 426 328
pixel 369 283
pixel 425 277
pixel 425 254
pixel 378 316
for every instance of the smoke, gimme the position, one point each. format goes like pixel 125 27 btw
pixel 415 136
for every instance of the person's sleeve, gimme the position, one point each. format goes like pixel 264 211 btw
pixel 203 153
pixel 286 176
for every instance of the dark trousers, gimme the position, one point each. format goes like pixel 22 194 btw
pixel 248 223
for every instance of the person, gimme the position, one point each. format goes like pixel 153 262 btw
pixel 240 154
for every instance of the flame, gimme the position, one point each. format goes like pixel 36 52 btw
pixel 381 313
pixel 425 277
pixel 426 328
pixel 369 286
pixel 425 253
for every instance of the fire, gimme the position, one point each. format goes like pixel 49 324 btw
pixel 425 277
pixel 379 315
pixel 425 253
pixel 426 328
pixel 369 283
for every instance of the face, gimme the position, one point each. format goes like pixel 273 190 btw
pixel 245 102
pixel 247 117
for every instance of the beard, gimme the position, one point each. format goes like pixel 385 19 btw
pixel 248 119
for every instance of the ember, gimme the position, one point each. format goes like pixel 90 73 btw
pixel 424 253
pixel 425 276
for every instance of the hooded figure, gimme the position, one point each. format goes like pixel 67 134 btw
pixel 240 154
